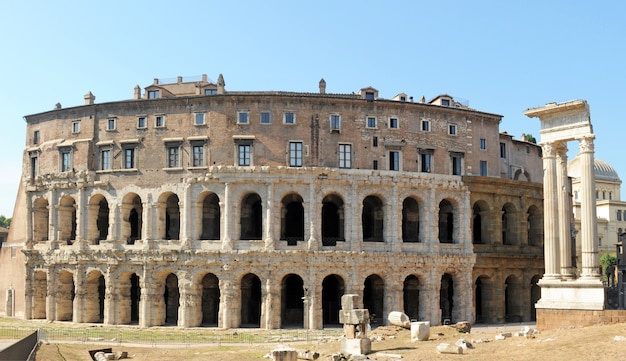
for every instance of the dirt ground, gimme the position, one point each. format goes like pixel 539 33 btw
pixel 392 343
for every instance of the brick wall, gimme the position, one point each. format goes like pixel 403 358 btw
pixel 550 319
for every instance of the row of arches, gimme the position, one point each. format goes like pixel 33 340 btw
pixel 206 303
pixel 504 225
pixel 207 219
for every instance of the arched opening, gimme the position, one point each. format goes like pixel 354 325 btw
pixel 292 306
pixel 332 290
pixel 135 298
pixel 373 298
pixel 535 295
pixel 512 293
pixel 478 300
pixel 251 217
pixel 131 218
pixel 508 225
pixel 535 226
pixel 332 220
pixel 65 296
pixel 169 216
pixel 171 297
pixel 446 222
pixel 94 297
pixel 483 301
pixel 446 296
pixel 67 219
pixel 372 219
pixel 210 300
pixel 40 292
pixel 292 219
pixel 480 223
pixel 128 299
pixel 98 222
pixel 251 301
pixel 410 220
pixel 210 217
pixel 411 297
pixel 40 220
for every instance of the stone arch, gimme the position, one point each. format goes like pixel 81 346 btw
pixel 291 302
pixel 509 224
pixel 480 223
pixel 129 297
pixel 40 292
pixel 522 175
pixel 512 299
pixel 535 226
pixel 410 220
pixel 483 300
pixel 132 210
pixel 535 295
pixel 372 219
pixel 67 219
pixel 411 297
pixel 292 219
pixel 251 299
pixel 94 297
pixel 374 298
pixel 446 298
pixel 65 294
pixel 333 287
pixel 210 299
pixel 209 205
pixel 332 220
pixel 171 298
pixel 251 218
pixel 41 223
pixel 168 209
pixel 446 222
pixel 98 228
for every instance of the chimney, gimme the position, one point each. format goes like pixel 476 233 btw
pixel 204 78
pixel 180 79
pixel 57 106
pixel 322 86
pixel 220 85
pixel 156 81
pixel 89 98
pixel 137 92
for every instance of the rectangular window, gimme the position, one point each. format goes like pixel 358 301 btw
pixel 153 94
pixel 502 150
pixel 289 118
pixel 295 154
pixel 111 124
pixel 210 91
pixel 198 155
pixel 173 156
pixel 34 167
pixel 394 160
pixel 483 144
pixel 369 95
pixel 345 156
pixel 141 122
pixel 445 102
pixel 199 119
pixel 426 125
pixel 375 142
pixel 457 162
pixel 483 168
pixel 426 160
pixel 266 117
pixel 371 122
pixel 375 164
pixel 619 215
pixel 159 121
pixel 76 127
pixel 36 137
pixel 105 159
pixel 244 154
pixel 452 129
pixel 66 160
pixel 335 122
pixel 129 158
pixel 393 123
pixel 242 117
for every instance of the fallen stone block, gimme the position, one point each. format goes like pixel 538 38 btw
pixel 284 354
pixel 420 331
pixel 463 326
pixel 619 338
pixel 388 355
pixel 308 355
pixel 354 317
pixel 400 319
pixel 464 344
pixel 503 335
pixel 350 301
pixel 356 346
pixel 448 348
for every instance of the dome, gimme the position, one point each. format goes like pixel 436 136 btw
pixel 603 170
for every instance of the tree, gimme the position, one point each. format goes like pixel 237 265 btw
pixel 5 222
pixel 608 262
pixel 529 138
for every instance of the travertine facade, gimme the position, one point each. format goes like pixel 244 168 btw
pixel 197 206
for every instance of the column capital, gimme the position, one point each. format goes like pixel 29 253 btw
pixel 549 150
pixel 586 144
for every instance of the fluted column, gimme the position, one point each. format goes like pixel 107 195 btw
pixel 550 205
pixel 564 207
pixel 589 232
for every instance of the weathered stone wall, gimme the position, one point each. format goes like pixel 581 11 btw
pixel 551 319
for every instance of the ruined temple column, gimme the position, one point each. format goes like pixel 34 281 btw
pixel 226 306
pixel 564 206
pixel 551 213
pixel 588 231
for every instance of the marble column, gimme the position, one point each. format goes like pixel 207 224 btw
pixel 589 232
pixel 225 208
pixel 564 206
pixel 550 206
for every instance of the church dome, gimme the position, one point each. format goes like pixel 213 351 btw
pixel 603 170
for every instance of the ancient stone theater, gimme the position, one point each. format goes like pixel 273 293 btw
pixel 195 206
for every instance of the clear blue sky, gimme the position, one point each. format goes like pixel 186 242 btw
pixel 503 57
